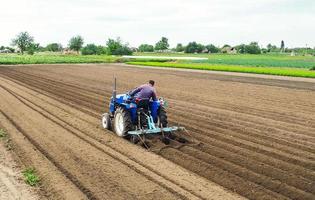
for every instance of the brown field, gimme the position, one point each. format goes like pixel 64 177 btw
pixel 257 135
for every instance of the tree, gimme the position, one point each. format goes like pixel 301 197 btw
pixel 272 48
pixel 179 48
pixel 194 47
pixel 200 48
pixel 23 41
pixel 115 47
pixel 226 45
pixel 101 50
pixel 162 44
pixel 241 48
pixel 264 50
pixel 54 47
pixel 282 46
pixel 269 47
pixel 32 48
pixel 76 43
pixel 123 50
pixel 252 48
pixel 212 49
pixel 41 49
pixel 92 49
pixel 191 47
pixel 146 48
pixel 89 49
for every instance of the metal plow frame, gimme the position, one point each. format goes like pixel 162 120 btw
pixel 152 129
pixel 156 130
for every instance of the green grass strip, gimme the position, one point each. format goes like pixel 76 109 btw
pixel 262 60
pixel 234 68
pixel 55 59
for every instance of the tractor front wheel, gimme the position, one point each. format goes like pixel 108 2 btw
pixel 122 122
pixel 106 122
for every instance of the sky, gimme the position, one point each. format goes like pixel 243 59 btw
pixel 216 22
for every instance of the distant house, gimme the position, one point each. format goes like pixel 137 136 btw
pixel 68 51
pixel 5 51
pixel 205 50
pixel 164 51
pixel 229 50
pixel 134 49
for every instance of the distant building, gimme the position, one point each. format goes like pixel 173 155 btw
pixel 205 51
pixel 68 51
pixel 164 51
pixel 134 49
pixel 229 50
pixel 5 51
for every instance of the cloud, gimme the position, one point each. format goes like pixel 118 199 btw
pixel 137 21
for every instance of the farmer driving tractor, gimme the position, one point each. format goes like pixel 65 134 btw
pixel 135 115
pixel 145 92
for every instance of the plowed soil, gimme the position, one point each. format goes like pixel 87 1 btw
pixel 256 135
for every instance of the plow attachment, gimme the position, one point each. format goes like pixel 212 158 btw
pixel 156 130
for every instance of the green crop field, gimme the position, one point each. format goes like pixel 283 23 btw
pixel 296 72
pixel 12 59
pixel 275 64
pixel 262 60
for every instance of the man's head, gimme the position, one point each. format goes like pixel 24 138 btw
pixel 151 82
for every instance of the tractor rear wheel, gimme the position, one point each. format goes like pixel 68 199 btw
pixel 122 122
pixel 162 122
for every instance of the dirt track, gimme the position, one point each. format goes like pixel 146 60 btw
pixel 12 186
pixel 257 134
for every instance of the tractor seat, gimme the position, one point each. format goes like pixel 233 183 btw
pixel 143 104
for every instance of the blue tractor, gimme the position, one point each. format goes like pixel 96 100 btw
pixel 135 118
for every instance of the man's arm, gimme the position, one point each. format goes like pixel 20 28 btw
pixel 135 91
pixel 154 96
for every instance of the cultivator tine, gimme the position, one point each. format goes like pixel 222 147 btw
pixel 143 142
pixel 190 135
pixel 158 150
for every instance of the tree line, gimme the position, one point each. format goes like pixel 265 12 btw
pixel 25 43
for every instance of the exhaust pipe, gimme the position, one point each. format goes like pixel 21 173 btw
pixel 114 91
